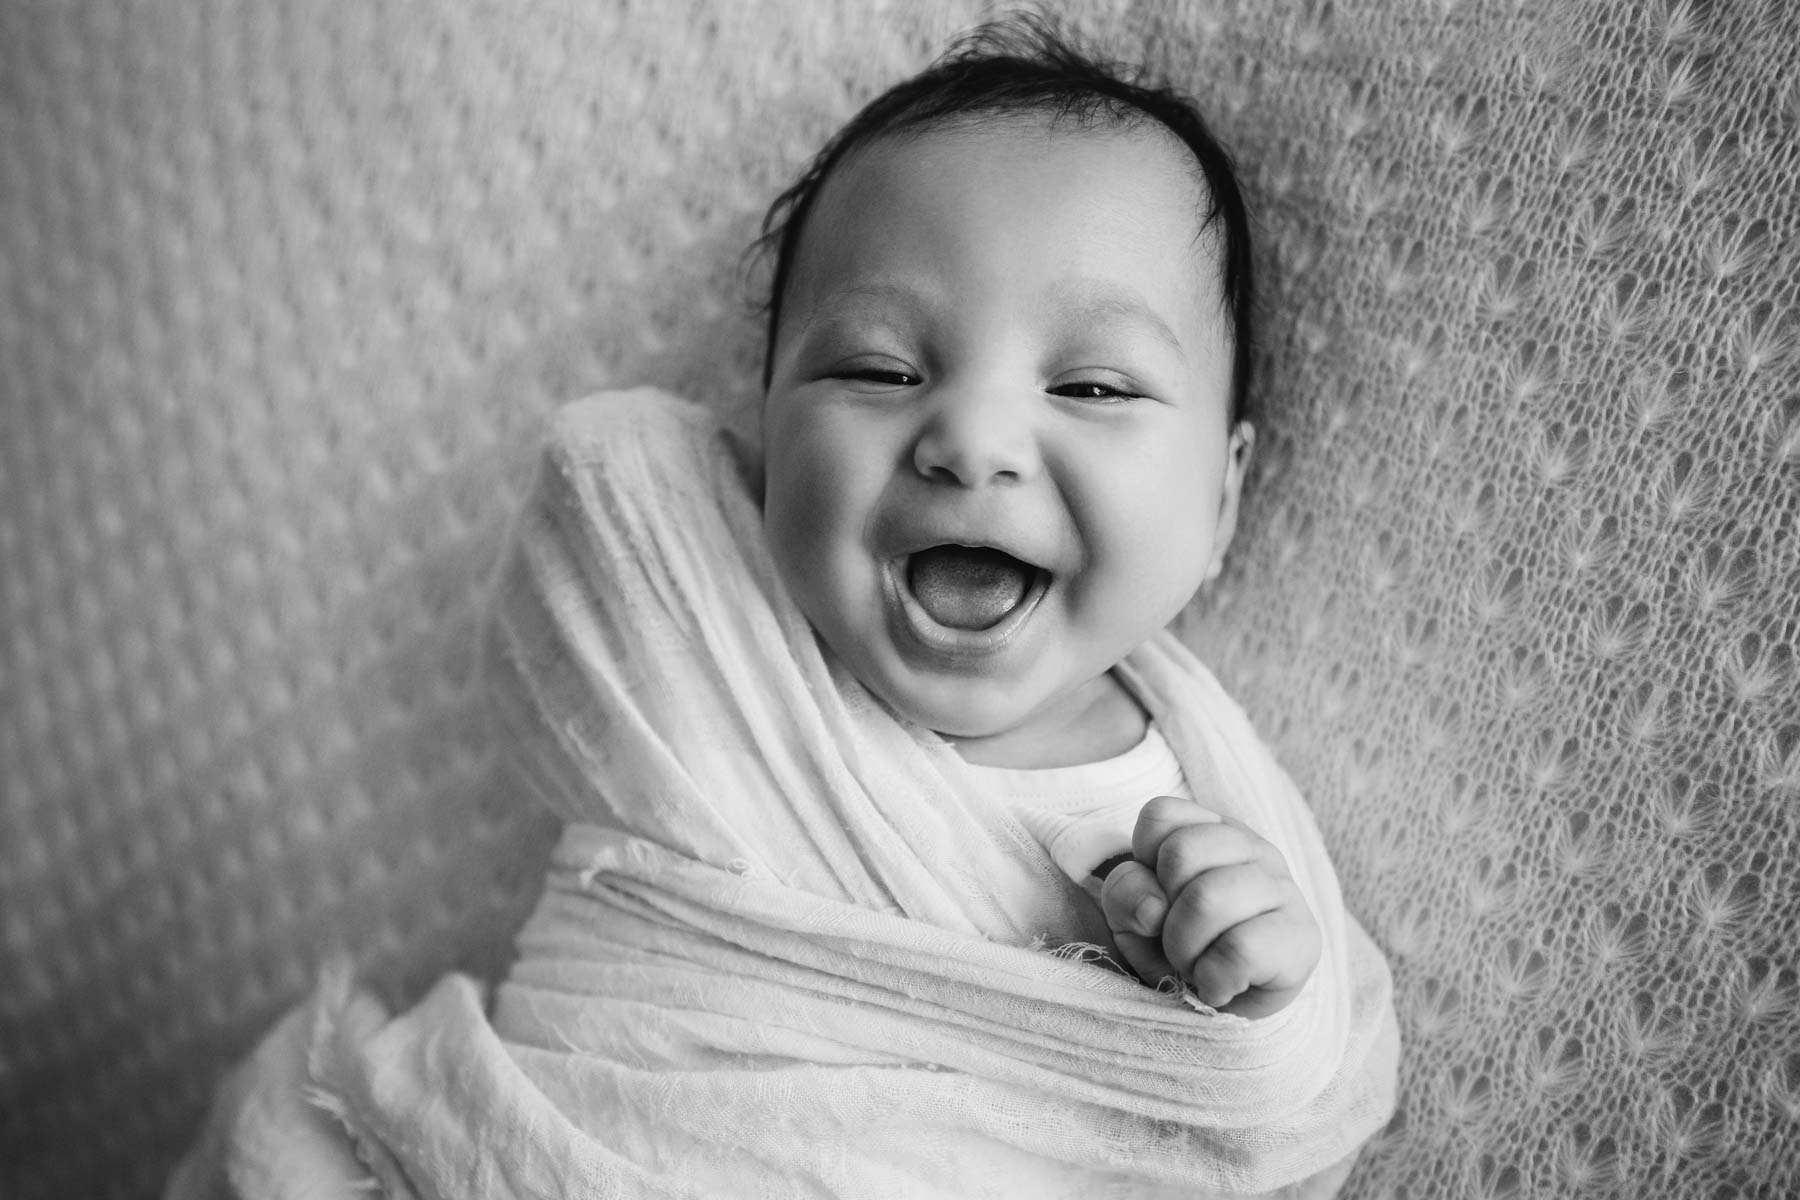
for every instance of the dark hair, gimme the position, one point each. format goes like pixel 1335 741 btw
pixel 1022 64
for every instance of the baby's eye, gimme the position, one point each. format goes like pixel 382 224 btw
pixel 879 376
pixel 1093 391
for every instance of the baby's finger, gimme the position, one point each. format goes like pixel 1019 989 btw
pixel 1194 850
pixel 1254 969
pixel 1133 901
pixel 1216 901
pixel 1145 957
pixel 1224 972
pixel 1161 817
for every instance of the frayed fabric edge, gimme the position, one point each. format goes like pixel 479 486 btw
pixel 1090 952
pixel 343 1011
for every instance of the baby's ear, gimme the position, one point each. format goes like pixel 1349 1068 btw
pixel 1237 464
pixel 1243 443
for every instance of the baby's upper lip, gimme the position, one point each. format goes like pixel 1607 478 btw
pixel 911 536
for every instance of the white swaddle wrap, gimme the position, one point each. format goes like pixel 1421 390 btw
pixel 784 948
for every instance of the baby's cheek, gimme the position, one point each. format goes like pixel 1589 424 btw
pixel 813 522
pixel 1158 544
pixel 805 504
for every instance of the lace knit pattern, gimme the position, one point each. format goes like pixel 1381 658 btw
pixel 287 292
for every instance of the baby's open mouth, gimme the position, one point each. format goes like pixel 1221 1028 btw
pixel 969 587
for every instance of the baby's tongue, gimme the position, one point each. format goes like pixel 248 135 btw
pixel 965 587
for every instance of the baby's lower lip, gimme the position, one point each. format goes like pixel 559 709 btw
pixel 943 641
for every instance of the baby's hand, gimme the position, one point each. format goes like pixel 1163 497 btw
pixel 1210 901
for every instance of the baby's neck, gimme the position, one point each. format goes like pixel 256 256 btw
pixel 1104 722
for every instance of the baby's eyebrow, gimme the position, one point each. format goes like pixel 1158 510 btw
pixel 858 299
pixel 1084 301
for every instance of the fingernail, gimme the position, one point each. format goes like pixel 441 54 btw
pixel 1149 915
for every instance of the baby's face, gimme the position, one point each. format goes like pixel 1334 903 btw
pixel 1010 339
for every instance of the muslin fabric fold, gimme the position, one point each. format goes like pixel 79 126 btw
pixel 784 948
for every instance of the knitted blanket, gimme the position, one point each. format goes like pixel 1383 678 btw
pixel 785 948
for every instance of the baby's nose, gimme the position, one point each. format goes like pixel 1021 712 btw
pixel 973 441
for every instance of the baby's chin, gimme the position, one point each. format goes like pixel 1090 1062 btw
pixel 996 730
pixel 963 719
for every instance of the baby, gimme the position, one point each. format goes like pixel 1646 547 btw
pixel 845 743
pixel 1008 350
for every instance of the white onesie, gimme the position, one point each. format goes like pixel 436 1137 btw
pixel 1083 815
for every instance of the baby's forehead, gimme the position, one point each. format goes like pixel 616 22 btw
pixel 1029 134
pixel 873 191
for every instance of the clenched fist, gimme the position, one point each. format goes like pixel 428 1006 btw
pixel 1208 900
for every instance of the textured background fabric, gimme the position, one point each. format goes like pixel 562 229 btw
pixel 287 290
